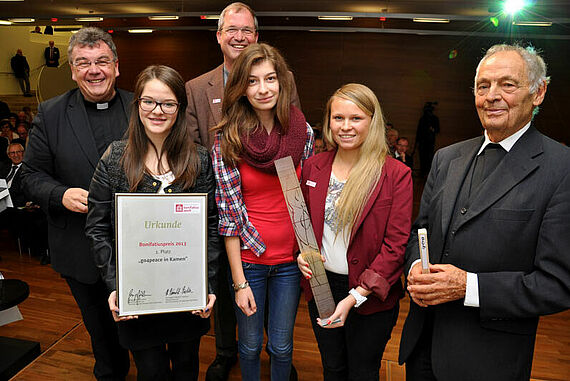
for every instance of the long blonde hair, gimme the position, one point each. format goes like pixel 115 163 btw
pixel 238 116
pixel 365 174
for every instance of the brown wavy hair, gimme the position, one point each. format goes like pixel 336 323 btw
pixel 238 116
pixel 179 148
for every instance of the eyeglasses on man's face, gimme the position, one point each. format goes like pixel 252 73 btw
pixel 232 31
pixel 147 104
pixel 101 63
pixel 14 153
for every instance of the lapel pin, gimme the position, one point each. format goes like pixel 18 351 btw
pixel 311 184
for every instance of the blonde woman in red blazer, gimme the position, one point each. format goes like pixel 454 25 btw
pixel 360 203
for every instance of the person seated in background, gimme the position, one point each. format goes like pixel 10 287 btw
pixel 23 117
pixel 24 219
pixel 6 130
pixel 391 137
pixel 320 145
pixel 13 119
pixel 15 152
pixel 28 111
pixel 401 152
pixel 22 131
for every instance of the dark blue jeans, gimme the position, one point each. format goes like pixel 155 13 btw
pixel 354 351
pixel 281 284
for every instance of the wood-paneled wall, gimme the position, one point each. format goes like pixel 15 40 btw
pixel 405 71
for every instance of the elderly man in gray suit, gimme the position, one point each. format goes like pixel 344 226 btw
pixel 497 212
pixel 237 28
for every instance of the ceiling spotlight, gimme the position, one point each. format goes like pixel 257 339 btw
pixel 532 23
pixel 336 18
pixel 141 30
pixel 22 20
pixel 89 19
pixel 162 18
pixel 513 6
pixel 431 19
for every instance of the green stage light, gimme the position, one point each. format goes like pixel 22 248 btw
pixel 513 6
pixel 494 21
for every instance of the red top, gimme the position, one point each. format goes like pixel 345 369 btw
pixel 267 211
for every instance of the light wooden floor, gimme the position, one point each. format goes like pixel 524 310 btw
pixel 52 318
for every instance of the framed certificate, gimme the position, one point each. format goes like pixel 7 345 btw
pixel 161 245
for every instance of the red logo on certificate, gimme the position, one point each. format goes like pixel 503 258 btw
pixel 187 208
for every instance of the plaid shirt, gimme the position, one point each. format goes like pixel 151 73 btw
pixel 231 208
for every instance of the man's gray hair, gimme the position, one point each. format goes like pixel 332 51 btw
pixel 90 37
pixel 14 144
pixel 237 7
pixel 535 65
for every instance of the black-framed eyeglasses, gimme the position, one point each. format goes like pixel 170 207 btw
pixel 100 63
pixel 15 152
pixel 232 31
pixel 150 104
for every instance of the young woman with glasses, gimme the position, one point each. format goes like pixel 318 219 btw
pixel 157 157
pixel 259 125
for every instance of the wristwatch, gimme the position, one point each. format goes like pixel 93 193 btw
pixel 240 286
pixel 359 298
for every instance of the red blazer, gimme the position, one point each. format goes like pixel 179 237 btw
pixel 378 240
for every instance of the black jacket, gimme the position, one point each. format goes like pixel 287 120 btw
pixel 16 193
pixel 62 154
pixel 20 66
pixel 109 178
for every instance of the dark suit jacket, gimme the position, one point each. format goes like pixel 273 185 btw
pixel 62 154
pixel 409 160
pixel 376 248
pixel 16 192
pixel 54 61
pixel 204 109
pixel 515 236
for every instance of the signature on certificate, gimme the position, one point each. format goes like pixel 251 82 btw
pixel 137 297
pixel 178 290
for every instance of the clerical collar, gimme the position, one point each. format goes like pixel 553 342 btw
pixel 101 105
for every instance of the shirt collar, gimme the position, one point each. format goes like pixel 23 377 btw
pixel 506 143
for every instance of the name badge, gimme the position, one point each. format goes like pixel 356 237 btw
pixel 216 100
pixel 311 184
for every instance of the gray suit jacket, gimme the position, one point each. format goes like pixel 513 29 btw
pixel 204 109
pixel 514 234
pixel 62 154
